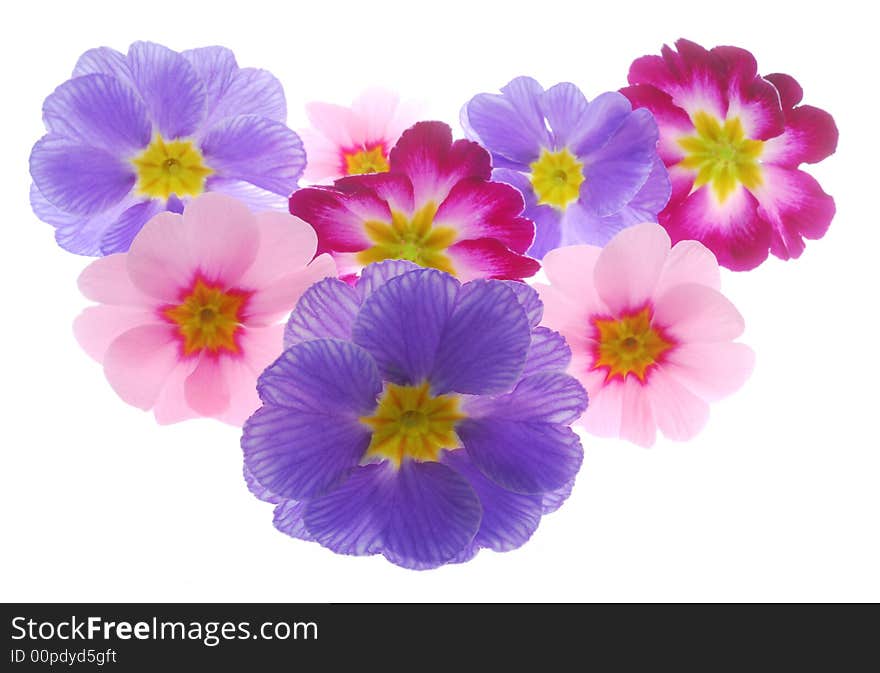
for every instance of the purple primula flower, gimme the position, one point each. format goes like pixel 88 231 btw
pixel 415 417
pixel 586 170
pixel 132 135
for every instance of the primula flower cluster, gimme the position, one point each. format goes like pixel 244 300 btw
pixel 415 417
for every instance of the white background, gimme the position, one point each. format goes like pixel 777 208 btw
pixel 777 500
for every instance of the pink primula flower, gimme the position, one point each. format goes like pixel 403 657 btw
pixel 356 140
pixel 652 338
pixel 733 142
pixel 188 318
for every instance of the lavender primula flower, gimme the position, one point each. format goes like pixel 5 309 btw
pixel 132 135
pixel 586 169
pixel 415 417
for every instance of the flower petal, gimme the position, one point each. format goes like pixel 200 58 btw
pixel 402 323
pixel 393 188
pixel 286 244
pixel 332 121
pixel 99 326
pixel 509 519
pixel 338 218
pixel 479 209
pixel 426 154
pixel 351 519
pixel 810 135
pixel 103 61
pixel 377 274
pixel 79 179
pixel 637 423
pixel 232 91
pixel 376 108
pixel 257 150
pixel 605 412
pixel 168 84
pixel 689 262
pixel 171 405
pixel 207 389
pixel 98 111
pixel 751 98
pixel 628 268
pixel 511 124
pixel 327 309
pixel 159 261
pixel 529 300
pixel 139 361
pixel 566 110
pixel 697 313
pixel 672 121
pixel 796 206
pixel 489 258
pixel 711 370
pixel 435 514
pixel 679 413
pixel 546 397
pixel 274 300
pixel 548 352
pixel 288 518
pixel 106 281
pixel 553 500
pixel 118 236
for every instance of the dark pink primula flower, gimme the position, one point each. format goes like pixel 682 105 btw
pixel 733 142
pixel 436 206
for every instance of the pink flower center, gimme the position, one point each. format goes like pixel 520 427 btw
pixel 629 344
pixel 208 318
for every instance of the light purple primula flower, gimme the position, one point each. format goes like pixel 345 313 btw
pixel 415 417
pixel 132 135
pixel 586 169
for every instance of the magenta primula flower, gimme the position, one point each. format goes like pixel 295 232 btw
pixel 651 336
pixel 732 141
pixel 130 136
pixel 436 206
pixel 415 417
pixel 354 140
pixel 189 316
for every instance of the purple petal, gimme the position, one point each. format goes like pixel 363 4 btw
pixel 260 491
pixel 288 518
pixel 98 111
pixel 233 91
pixel 119 235
pixel 529 300
pixel 604 117
pixel 327 309
pixel 548 220
pixel 78 179
pixel 485 342
pixel 376 275
pixel 510 124
pixel 173 93
pixel 546 397
pixel 565 108
pixel 402 322
pixel 255 198
pixel 257 150
pixel 615 173
pixel 351 519
pixel 104 61
pixel 548 352
pixel 434 516
pixel 553 500
pixel 509 519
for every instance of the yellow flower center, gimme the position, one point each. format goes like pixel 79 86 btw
pixel 413 238
pixel 722 155
pixel 411 423
pixel 208 318
pixel 371 160
pixel 172 167
pixel 557 178
pixel 629 344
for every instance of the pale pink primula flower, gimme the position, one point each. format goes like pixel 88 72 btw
pixel 189 316
pixel 651 336
pixel 354 140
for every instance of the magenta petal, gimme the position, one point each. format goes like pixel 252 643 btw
pixel 435 514
pixel 338 218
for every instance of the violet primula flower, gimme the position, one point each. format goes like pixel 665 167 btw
pixel 733 142
pixel 189 317
pixel 130 136
pixel 435 206
pixel 415 417
pixel 586 169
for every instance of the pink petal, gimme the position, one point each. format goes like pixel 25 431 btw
pixel 159 261
pixel 796 207
pixel 696 313
pixel 274 300
pixel 489 258
pixel 106 280
pixel 324 157
pixel 605 410
pixel 732 230
pixel 171 406
pixel 242 383
pixel 333 121
pixel 711 370
pixel 206 390
pixel 426 154
pixel 810 135
pixel 637 423
pixel 672 121
pixel 139 362
pixel 567 314
pixel 480 209
pixel 571 270
pixel 629 267
pixel 339 218
pixel 98 326
pixel 375 108
pixel 679 413
pixel 689 262
pixel 286 244
pixel 222 236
